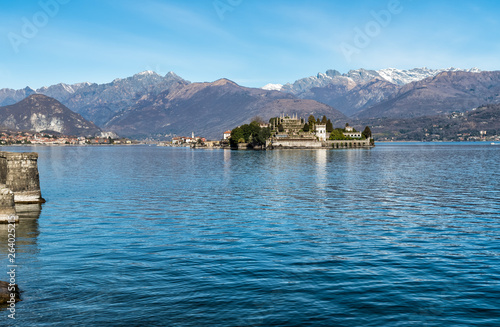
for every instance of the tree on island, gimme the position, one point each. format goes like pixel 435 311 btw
pixel 237 136
pixel 250 133
pixel 338 135
pixel 312 121
pixel 329 126
pixel 306 127
pixel 324 120
pixel 367 133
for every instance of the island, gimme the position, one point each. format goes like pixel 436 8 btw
pixel 293 132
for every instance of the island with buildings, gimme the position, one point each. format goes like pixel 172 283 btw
pixel 292 132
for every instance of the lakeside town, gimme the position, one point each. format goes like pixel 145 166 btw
pixel 53 138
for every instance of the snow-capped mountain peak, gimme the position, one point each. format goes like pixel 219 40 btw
pixel 273 87
pixel 146 72
pixel 402 77
pixel 362 76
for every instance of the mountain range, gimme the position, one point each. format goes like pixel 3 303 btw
pixel 362 76
pixel 444 93
pixel 148 104
pixel 359 90
pixel 209 109
pixel 99 102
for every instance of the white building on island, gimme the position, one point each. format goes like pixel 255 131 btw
pixel 321 132
pixel 350 132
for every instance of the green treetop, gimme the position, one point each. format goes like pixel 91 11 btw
pixel 312 121
pixel 338 135
pixel 329 126
pixel 367 133
pixel 250 133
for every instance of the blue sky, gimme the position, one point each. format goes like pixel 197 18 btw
pixel 251 42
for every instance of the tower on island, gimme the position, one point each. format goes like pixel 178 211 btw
pixel 321 132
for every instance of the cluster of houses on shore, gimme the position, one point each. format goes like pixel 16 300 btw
pixel 185 140
pixel 9 138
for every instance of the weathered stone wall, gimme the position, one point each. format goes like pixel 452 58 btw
pixel 19 173
pixel 6 198
pixel 3 168
pixel 7 209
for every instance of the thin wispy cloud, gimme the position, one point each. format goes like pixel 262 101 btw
pixel 177 19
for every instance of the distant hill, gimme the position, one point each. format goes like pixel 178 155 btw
pixel 208 109
pixel 41 113
pixel 447 127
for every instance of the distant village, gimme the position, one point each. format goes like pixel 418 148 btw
pixel 48 138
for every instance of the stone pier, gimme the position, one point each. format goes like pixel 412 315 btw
pixel 19 183
pixel 19 173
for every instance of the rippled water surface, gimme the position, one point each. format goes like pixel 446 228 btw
pixel 400 235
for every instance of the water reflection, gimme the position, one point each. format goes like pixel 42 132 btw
pixel 227 166
pixel 26 230
pixel 321 160
pixel 227 155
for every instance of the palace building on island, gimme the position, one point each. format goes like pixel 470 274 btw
pixel 293 132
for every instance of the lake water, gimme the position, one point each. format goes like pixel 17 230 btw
pixel 399 235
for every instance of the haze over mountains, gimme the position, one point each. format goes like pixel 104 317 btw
pixel 148 104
